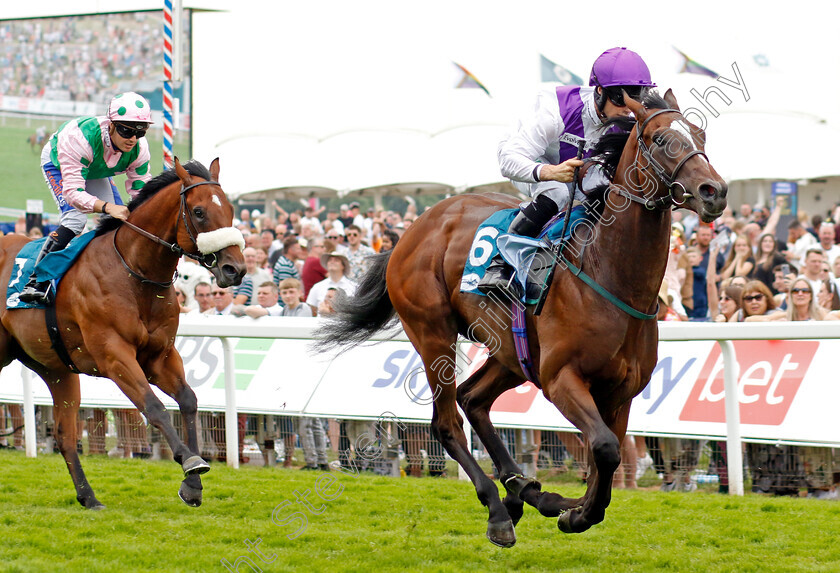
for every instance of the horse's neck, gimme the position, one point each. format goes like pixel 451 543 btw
pixel 158 216
pixel 630 250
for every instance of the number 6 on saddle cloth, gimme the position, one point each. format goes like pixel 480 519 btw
pixel 532 258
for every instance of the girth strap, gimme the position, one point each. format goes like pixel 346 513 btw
pixel 55 338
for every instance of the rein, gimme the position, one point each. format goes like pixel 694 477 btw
pixel 661 203
pixel 207 260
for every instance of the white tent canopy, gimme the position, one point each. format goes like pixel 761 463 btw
pixel 359 98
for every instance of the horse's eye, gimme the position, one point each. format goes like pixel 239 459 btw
pixel 658 139
pixel 198 212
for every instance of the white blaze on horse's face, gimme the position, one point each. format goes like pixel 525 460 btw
pixel 216 200
pixel 680 127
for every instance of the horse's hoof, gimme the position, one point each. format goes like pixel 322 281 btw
pixel 501 534
pixel 195 465
pixel 564 522
pixel 189 495
pixel 96 506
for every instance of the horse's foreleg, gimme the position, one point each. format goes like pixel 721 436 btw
pixel 571 396
pixel 66 396
pixel 170 378
pixel 120 366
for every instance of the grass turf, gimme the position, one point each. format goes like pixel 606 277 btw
pixel 380 524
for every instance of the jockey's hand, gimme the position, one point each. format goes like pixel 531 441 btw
pixel 118 211
pixel 564 173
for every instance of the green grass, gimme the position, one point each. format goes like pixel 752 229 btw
pixel 20 169
pixel 382 524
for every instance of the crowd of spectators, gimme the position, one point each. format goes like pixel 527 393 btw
pixel 73 58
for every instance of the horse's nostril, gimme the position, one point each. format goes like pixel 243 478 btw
pixel 708 190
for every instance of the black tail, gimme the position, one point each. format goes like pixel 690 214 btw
pixel 359 317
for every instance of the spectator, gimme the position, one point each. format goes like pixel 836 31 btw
pixel 203 297
pixel 326 306
pixel 313 271
pixel 291 291
pixel 700 299
pixel 356 252
pixel 827 233
pixel 767 259
pixel 285 267
pixel 740 260
pixel 702 240
pixel 799 241
pixel 814 261
pixel 262 260
pixel 267 296
pixel 222 301
pixel 756 302
pixel 337 267
pixel 801 303
pixel 182 300
pixel 190 274
pixel 728 304
pixel 246 292
pixel 389 240
pixel 828 298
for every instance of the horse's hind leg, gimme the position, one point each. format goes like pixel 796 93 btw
pixel 435 343
pixel 476 396
pixel 572 397
pixel 66 395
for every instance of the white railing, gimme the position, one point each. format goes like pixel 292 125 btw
pixel 226 328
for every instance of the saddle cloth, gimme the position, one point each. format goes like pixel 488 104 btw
pixel 51 268
pixel 530 257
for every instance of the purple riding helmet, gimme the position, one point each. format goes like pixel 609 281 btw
pixel 619 68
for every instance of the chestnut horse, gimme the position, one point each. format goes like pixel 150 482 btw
pixel 591 357
pixel 117 311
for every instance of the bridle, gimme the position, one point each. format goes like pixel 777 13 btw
pixel 208 260
pixel 670 180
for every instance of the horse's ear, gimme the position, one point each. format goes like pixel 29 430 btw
pixel 182 173
pixel 638 109
pixel 214 169
pixel 671 100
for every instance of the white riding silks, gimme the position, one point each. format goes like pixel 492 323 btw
pixel 214 241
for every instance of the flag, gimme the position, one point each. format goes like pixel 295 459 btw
pixel 690 66
pixel 468 80
pixel 551 72
pixel 761 60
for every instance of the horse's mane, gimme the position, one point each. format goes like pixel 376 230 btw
pixel 609 148
pixel 158 182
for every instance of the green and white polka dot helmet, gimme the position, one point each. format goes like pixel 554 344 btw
pixel 130 107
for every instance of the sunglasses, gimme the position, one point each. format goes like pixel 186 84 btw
pixel 219 293
pixel 352 234
pixel 752 297
pixel 128 132
pixel 336 237
pixel 617 97
pixel 800 290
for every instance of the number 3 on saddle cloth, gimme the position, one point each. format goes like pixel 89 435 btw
pixel 51 268
pixel 531 258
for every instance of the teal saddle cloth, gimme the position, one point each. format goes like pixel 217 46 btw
pixel 522 253
pixel 51 268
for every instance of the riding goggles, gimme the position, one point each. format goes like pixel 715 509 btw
pixel 615 95
pixel 127 132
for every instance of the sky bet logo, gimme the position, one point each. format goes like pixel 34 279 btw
pixel 769 376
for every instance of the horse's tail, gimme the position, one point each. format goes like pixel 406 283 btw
pixel 359 317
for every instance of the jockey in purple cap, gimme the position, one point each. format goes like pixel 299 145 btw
pixel 79 162
pixel 540 156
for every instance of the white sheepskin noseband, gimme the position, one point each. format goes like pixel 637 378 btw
pixel 219 239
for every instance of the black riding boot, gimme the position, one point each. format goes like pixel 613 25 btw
pixel 39 293
pixel 528 223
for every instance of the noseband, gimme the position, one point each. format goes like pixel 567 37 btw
pixel 670 180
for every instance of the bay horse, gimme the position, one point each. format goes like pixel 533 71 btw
pixel 590 356
pixel 118 315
